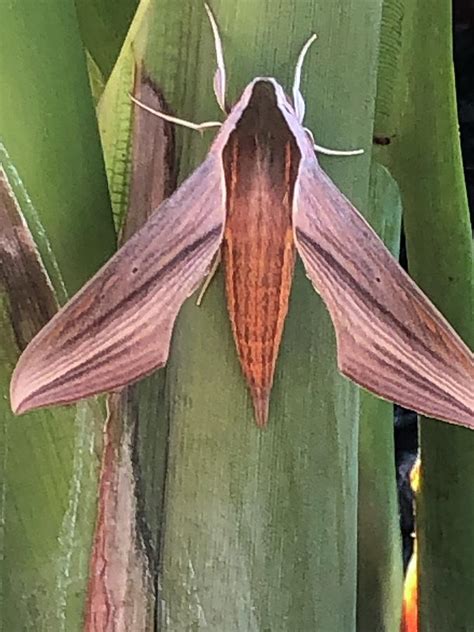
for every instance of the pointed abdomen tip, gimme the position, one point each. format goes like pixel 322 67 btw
pixel 261 400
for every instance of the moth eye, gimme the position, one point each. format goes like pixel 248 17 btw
pixel 134 270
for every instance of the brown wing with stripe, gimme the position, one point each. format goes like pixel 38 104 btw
pixel 391 339
pixel 118 327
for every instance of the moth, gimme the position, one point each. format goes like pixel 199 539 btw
pixel 258 198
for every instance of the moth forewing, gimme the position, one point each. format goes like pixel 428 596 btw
pixel 390 337
pixel 118 327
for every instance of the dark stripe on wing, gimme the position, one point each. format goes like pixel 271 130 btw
pixel 142 289
pixel 104 354
pixel 366 296
pixel 413 377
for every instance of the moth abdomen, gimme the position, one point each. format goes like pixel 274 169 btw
pixel 260 163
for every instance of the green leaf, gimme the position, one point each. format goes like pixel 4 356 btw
pixel 122 589
pixel 424 156
pixel 259 528
pixel 104 25
pixel 54 164
pixel 48 127
pixel 48 466
pixel 380 572
pixel 115 113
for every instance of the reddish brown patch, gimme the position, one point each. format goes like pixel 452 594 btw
pixel 261 160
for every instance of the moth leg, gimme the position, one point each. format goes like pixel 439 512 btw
pixel 219 76
pixel 298 100
pixel 332 152
pixel 199 127
pixel 210 275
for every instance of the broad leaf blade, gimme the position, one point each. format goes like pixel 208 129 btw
pixel 104 25
pixel 48 466
pixel 49 463
pixel 260 527
pixel 424 155
pixel 48 126
pixel 379 559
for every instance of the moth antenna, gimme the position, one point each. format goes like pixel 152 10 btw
pixel 332 152
pixel 199 127
pixel 219 76
pixel 298 100
pixel 210 275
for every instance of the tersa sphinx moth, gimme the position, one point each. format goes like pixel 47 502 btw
pixel 259 197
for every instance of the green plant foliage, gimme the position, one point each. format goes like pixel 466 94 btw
pixel 48 461
pixel 115 112
pixel 379 569
pixel 419 114
pixel 49 128
pixel 260 527
pixel 104 25
pixel 249 530
pixel 49 458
